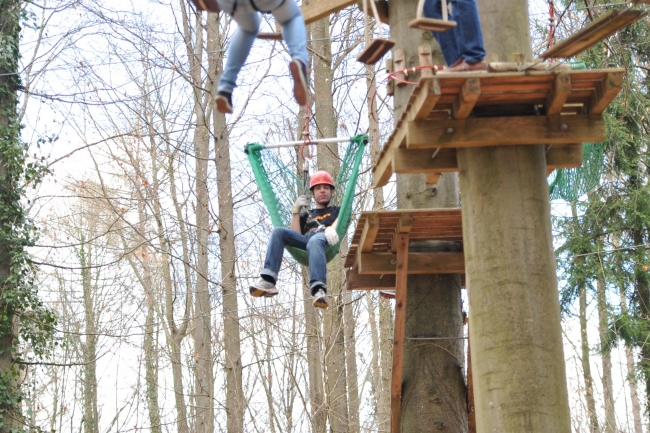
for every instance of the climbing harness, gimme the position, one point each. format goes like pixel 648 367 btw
pixel 280 186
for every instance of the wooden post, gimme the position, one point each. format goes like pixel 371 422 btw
pixel 401 278
pixel 517 357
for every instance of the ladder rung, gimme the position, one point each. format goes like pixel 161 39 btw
pixel 432 24
pixel 270 36
pixel 375 51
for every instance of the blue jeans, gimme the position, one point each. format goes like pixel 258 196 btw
pixel 288 15
pixel 465 41
pixel 314 243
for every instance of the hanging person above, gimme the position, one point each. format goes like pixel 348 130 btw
pixel 462 46
pixel 246 14
pixel 312 230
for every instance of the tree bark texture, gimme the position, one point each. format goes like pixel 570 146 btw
pixel 631 371
pixel 606 356
pixel 334 338
pixel 517 356
pixel 9 82
pixel 235 400
pixel 90 413
pixel 434 393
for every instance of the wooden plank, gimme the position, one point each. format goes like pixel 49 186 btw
pixel 405 222
pixel 420 161
pixel 432 24
pixel 317 9
pixel 504 131
pixel 399 64
pixel 559 95
pixel 564 156
pixel 356 281
pixel 599 29
pixel 270 36
pixel 370 230
pixel 606 92
pixel 424 56
pixel 401 278
pixel 469 94
pixel 375 51
pixel 432 178
pixel 425 100
pixel 419 263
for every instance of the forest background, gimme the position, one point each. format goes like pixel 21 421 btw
pixel 144 228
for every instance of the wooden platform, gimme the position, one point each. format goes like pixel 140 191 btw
pixel 450 111
pixel 381 255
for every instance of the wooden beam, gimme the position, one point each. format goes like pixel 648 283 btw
pixel 564 156
pixel 605 25
pixel 426 99
pixel 383 169
pixel 399 64
pixel 504 131
pixel 401 278
pixel 369 233
pixel 405 222
pixel 469 94
pixel 557 98
pixel 356 281
pixel 424 55
pixel 609 88
pixel 318 9
pixel 415 161
pixel 420 263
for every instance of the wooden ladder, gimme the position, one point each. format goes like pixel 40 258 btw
pixel 432 24
pixel 378 47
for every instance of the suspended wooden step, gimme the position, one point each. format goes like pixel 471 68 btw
pixel 207 5
pixel 599 29
pixel 378 47
pixel 432 24
pixel 271 36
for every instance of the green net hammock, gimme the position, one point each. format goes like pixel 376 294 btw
pixel 280 186
pixel 572 183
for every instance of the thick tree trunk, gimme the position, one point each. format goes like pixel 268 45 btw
pixel 517 356
pixel 606 357
pixel 9 82
pixel 434 394
pixel 350 325
pixel 386 345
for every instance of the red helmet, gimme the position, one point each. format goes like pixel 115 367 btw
pixel 321 178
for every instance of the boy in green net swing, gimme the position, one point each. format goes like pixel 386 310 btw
pixel 313 230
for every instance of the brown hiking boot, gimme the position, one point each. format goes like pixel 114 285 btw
pixel 463 66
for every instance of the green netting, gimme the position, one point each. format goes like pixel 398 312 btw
pixel 280 186
pixel 572 183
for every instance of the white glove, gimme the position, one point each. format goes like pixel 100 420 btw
pixel 331 235
pixel 302 201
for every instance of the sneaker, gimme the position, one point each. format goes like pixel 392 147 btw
pixel 463 66
pixel 261 287
pixel 300 88
pixel 320 299
pixel 224 102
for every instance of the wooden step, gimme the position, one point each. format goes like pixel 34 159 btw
pixel 599 29
pixel 375 51
pixel 275 36
pixel 432 24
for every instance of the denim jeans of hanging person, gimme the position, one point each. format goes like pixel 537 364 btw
pixel 465 41
pixel 286 13
pixel 314 243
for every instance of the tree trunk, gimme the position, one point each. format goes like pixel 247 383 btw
pixel 631 372
pixel 235 400
pixel 584 342
pixel 90 414
pixel 9 132
pixel 328 160
pixel 517 356
pixel 350 352
pixel 643 309
pixel 606 356
pixel 434 394
pixel 386 345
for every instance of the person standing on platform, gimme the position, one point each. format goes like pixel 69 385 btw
pixel 462 46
